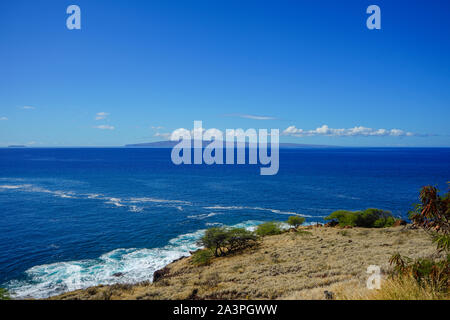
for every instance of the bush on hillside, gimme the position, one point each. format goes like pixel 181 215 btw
pixel 4 295
pixel 268 229
pixel 295 221
pixel 202 257
pixel 427 272
pixel 369 218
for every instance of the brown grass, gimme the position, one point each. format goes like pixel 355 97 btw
pixel 292 265
pixel 404 288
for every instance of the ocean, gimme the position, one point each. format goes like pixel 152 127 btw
pixel 77 217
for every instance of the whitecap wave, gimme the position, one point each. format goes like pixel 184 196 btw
pixel 12 187
pixel 258 209
pixel 133 265
pixel 135 209
pixel 117 202
pixel 203 216
pixel 32 188
pixel 137 200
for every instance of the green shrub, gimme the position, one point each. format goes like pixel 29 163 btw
pixel 384 222
pixel 268 229
pixel 295 221
pixel 426 272
pixel 202 257
pixel 369 218
pixel 4 295
pixel 343 217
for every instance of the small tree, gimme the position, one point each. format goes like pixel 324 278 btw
pixel 295 221
pixel 222 240
pixel 215 239
pixel 240 238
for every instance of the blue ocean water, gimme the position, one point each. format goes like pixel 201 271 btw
pixel 75 217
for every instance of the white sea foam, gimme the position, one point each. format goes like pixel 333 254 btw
pixel 93 196
pixel 13 187
pixel 117 202
pixel 203 216
pixel 136 209
pixel 135 265
pixel 257 208
pixel 145 199
pixel 32 188
pixel 211 224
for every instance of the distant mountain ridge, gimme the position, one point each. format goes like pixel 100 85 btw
pixel 171 144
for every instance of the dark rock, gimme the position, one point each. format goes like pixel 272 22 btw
pixel 328 295
pixel 399 222
pixel 118 274
pixel 160 274
pixel 193 295
pixel 180 258
pixel 331 224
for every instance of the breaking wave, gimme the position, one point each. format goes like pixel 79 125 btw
pixel 130 203
pixel 258 209
pixel 118 266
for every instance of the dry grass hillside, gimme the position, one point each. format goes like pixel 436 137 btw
pixel 292 265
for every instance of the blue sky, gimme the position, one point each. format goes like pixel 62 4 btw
pixel 145 68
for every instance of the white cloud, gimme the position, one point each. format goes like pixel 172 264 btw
pixel 105 127
pixel 3 118
pixel 345 132
pixel 101 115
pixel 28 108
pixel 157 127
pixel 165 136
pixel 250 116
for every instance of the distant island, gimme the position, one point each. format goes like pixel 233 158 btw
pixel 171 144
pixel 17 146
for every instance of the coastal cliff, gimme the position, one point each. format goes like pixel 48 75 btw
pixel 298 264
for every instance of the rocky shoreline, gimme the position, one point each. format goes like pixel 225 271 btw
pixel 301 263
